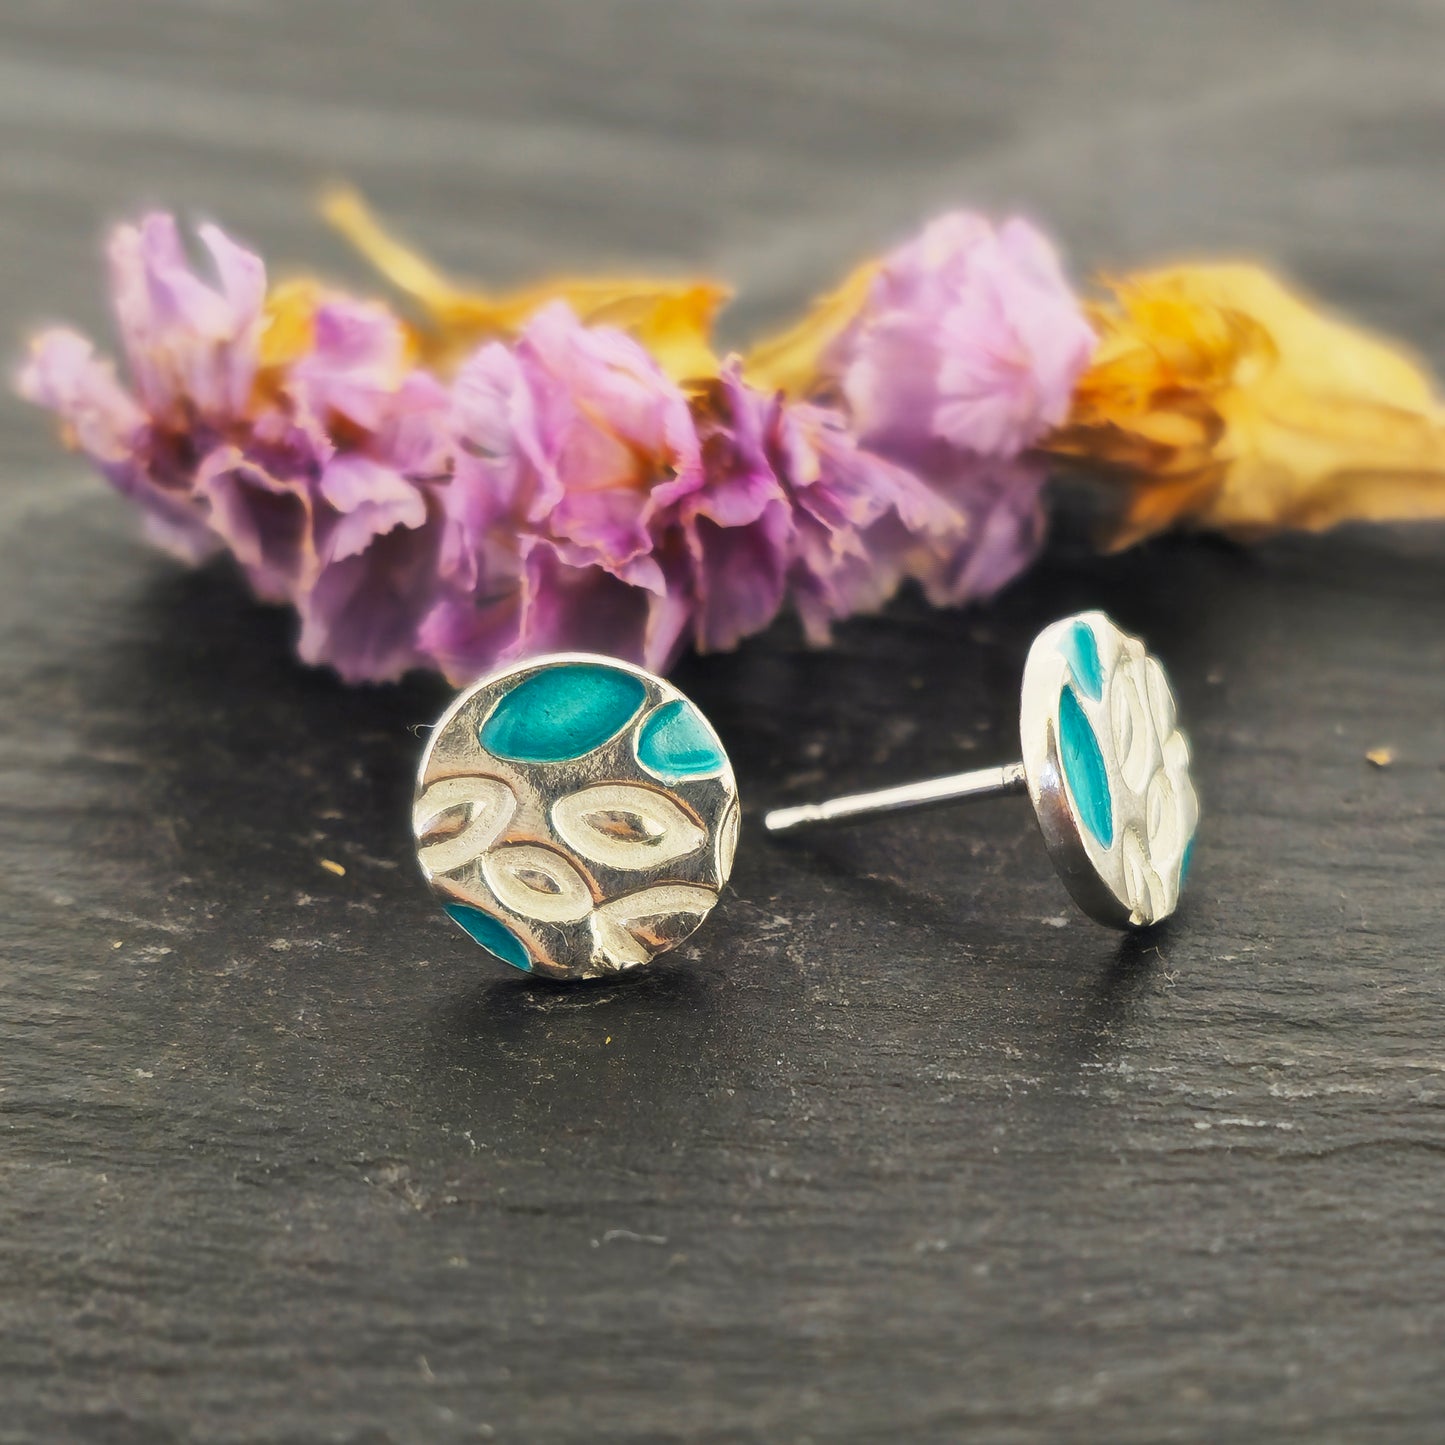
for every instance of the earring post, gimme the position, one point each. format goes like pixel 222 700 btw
pixel 981 783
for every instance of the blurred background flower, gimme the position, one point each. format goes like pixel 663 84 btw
pixel 471 477
pixel 572 466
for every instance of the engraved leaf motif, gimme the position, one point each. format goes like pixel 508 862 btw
pixel 1161 818
pixel 615 946
pixel 1142 885
pixel 1136 746
pixel 535 882
pixel 1154 764
pixel 727 842
pixel 1135 720
pixel 626 826
pixel 1161 699
pixel 629 930
pixel 458 819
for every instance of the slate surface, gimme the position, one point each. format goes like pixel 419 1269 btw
pixel 902 1148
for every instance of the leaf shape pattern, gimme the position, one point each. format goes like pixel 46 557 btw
pixel 1127 764
pixel 623 825
pixel 629 930
pixel 458 819
pixel 535 882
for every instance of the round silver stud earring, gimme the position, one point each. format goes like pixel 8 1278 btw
pixel 1104 764
pixel 575 815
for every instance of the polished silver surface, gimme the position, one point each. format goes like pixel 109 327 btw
pixel 584 865
pixel 1104 764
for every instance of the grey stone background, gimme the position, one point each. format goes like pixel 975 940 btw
pixel 902 1148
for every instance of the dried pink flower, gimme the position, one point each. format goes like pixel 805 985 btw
pixel 741 528
pixel 560 491
pixel 192 347
pixel 379 527
pixel 103 420
pixel 864 524
pixel 969 335
pixel 322 484
pixel 572 452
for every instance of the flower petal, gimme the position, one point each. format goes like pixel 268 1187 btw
pixel 1219 398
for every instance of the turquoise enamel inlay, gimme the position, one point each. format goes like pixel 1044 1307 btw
pixel 1081 648
pixel 674 743
pixel 562 712
pixel 1084 768
pixel 1186 860
pixel 495 937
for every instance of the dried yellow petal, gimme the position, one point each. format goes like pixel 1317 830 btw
pixel 789 361
pixel 1220 398
pixel 289 327
pixel 673 319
